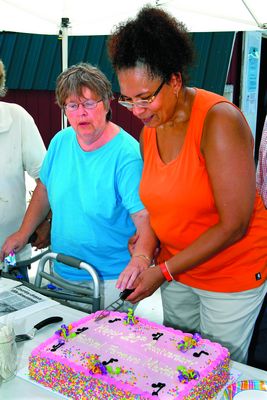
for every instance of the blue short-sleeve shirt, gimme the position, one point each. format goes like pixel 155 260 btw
pixel 92 195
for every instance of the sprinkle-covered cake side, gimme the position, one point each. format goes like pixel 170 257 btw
pixel 76 385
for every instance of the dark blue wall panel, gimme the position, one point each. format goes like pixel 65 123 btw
pixel 34 61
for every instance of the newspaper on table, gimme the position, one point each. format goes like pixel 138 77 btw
pixel 7 284
pixel 21 301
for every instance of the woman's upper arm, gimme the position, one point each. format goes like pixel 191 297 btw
pixel 227 146
pixel 40 192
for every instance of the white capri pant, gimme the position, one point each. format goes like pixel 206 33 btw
pixel 227 318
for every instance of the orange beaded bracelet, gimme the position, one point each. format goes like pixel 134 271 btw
pixel 165 270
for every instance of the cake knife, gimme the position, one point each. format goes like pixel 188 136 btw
pixel 115 305
pixel 30 335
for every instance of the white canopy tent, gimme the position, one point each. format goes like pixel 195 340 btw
pixel 98 17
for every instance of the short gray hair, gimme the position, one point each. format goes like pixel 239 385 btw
pixel 75 78
pixel 2 79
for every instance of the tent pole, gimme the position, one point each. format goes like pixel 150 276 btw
pixel 65 23
pixel 261 26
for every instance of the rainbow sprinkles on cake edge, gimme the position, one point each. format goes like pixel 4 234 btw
pixel 125 357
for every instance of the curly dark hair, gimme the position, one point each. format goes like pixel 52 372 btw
pixel 156 40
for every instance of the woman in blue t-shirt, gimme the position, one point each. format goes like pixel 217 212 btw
pixel 90 180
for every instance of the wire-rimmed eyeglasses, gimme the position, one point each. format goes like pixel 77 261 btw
pixel 87 104
pixel 142 103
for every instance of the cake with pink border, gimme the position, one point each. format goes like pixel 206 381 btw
pixel 125 357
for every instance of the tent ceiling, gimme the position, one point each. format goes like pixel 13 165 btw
pixel 100 16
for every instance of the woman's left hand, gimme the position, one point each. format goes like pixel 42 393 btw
pixel 146 284
pixel 135 267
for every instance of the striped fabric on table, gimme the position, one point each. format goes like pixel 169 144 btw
pixel 232 390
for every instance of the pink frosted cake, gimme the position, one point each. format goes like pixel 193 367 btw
pixel 125 357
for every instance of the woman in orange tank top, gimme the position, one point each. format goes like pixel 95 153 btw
pixel 198 185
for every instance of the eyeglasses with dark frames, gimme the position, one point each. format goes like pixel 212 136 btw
pixel 142 103
pixel 87 104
